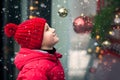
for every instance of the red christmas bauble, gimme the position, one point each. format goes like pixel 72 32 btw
pixel 82 24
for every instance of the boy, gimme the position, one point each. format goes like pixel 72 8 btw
pixel 37 58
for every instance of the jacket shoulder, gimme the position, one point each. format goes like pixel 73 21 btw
pixel 41 65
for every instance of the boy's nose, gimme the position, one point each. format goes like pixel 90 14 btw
pixel 53 29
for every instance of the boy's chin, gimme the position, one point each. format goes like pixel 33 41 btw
pixel 57 40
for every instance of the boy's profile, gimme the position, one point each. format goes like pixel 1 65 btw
pixel 37 58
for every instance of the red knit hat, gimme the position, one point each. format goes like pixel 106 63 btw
pixel 29 34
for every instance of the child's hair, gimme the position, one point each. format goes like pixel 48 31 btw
pixel 28 34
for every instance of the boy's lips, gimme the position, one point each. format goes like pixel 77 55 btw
pixel 55 34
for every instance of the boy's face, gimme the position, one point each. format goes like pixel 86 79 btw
pixel 49 37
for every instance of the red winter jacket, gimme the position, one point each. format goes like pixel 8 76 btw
pixel 38 65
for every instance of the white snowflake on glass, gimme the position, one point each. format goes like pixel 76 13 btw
pixel 43 5
pixel 16 7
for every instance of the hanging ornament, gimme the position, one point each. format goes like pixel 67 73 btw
pixel 89 50
pixel 63 12
pixel 117 16
pixel 82 24
pixel 117 19
pixel 106 43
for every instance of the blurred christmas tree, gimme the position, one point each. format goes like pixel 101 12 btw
pixel 106 30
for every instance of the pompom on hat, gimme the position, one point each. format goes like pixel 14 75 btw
pixel 28 34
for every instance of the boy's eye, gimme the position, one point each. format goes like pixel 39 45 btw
pixel 47 29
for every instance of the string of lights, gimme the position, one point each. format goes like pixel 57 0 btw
pixel 33 8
